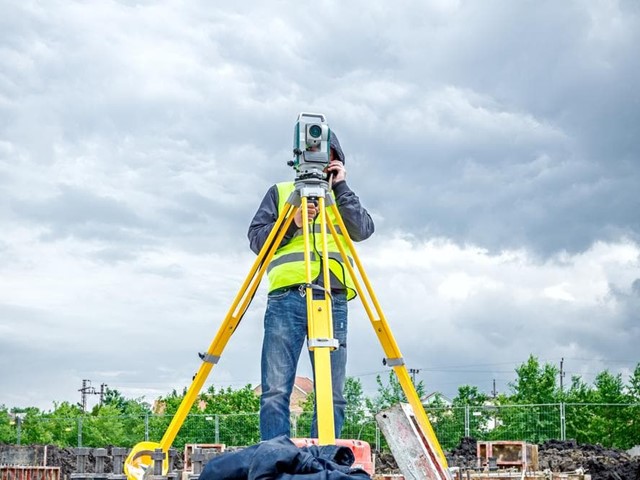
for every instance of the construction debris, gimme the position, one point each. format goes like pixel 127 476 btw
pixel 504 454
pixel 417 456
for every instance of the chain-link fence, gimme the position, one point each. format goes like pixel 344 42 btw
pixel 531 423
pixel 611 425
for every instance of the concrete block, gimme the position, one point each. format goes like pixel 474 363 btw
pixel 415 456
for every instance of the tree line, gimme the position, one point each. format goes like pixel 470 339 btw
pixel 534 409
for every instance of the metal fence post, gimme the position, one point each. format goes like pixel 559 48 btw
pixel 216 428
pixel 467 428
pixel 294 425
pixel 563 422
pixel 18 428
pixel 146 427
pixel 79 432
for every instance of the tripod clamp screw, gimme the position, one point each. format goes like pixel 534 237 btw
pixel 323 342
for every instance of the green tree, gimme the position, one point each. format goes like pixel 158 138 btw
pixel 354 395
pixel 235 412
pixel 610 388
pixel 535 384
pixel 7 427
pixel 390 393
pixel 126 406
pixel 129 416
pixel 469 395
pixel 229 401
pixel 159 422
pixel 105 426
pixel 634 413
pixel 579 391
pixel 613 417
pixel 472 399
pixel 531 412
pixel 225 414
pixel 358 424
pixel 634 385
pixel 578 415
pixel 58 427
pixel 449 420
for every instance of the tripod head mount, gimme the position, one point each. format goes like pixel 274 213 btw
pixel 312 189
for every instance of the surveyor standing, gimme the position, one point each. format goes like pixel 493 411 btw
pixel 285 320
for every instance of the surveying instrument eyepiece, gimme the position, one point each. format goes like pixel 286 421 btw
pixel 311 150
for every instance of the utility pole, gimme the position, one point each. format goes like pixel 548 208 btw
pixel 86 389
pixel 494 393
pixel 562 375
pixel 413 372
pixel 103 391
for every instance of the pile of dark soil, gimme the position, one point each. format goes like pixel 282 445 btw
pixel 386 464
pixel 464 455
pixel 565 456
pixel 602 463
pixel 65 458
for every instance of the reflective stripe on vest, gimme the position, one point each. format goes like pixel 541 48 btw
pixel 299 257
pixel 287 267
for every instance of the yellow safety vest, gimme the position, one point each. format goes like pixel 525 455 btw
pixel 287 265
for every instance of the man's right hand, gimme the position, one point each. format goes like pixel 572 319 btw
pixel 312 211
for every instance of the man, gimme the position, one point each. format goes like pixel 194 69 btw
pixel 285 320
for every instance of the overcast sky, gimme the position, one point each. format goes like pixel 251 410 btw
pixel 495 144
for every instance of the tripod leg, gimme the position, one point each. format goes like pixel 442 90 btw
pixel 230 323
pixel 320 330
pixel 387 341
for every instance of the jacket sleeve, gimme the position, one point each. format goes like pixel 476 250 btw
pixel 357 220
pixel 264 220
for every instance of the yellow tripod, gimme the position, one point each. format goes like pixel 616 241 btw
pixel 320 328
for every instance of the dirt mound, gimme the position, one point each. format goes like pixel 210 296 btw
pixel 386 464
pixel 602 463
pixel 565 456
pixel 464 455
pixel 65 458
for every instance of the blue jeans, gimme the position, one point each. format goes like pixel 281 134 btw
pixel 285 332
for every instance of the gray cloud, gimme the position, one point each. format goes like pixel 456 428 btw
pixel 137 139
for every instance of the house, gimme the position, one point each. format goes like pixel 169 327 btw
pixel 302 387
pixel 435 397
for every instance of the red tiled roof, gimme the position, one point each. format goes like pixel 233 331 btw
pixel 305 384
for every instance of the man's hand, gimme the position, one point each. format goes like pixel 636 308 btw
pixel 337 171
pixel 312 211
